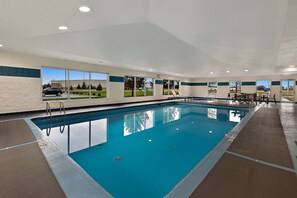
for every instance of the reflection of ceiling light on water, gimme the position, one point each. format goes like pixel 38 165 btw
pixel 149 140
pixel 210 131
pixel 177 129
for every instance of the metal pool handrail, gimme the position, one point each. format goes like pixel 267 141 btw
pixel 48 109
pixel 62 107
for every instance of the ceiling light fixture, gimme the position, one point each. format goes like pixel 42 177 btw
pixel 246 70
pixel 84 9
pixel 211 72
pixel 62 27
pixel 151 70
pixel 1 45
pixel 227 71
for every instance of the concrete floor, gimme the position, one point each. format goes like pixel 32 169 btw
pixel 288 116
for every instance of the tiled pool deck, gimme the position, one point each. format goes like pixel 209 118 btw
pixel 250 167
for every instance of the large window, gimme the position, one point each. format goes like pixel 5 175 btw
pixel 235 87
pixel 98 85
pixel 169 85
pixel 212 88
pixel 79 85
pixel 263 87
pixel 138 86
pixel 59 84
pixel 54 84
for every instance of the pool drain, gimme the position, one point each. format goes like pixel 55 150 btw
pixel 117 158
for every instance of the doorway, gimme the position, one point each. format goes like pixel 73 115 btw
pixel 287 90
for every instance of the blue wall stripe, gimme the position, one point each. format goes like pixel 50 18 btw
pixel 159 82
pixel 248 83
pixel 223 83
pixel 194 84
pixel 116 79
pixel 275 83
pixel 19 72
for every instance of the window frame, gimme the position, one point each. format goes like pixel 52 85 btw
pixel 67 71
pixel 134 87
pixel 269 92
pixel 212 94
pixel 240 86
pixel 168 86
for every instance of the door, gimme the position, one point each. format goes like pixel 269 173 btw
pixel 287 90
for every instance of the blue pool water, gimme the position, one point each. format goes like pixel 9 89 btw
pixel 144 151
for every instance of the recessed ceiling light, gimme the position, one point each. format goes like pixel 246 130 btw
pixel 1 45
pixel 227 71
pixel 62 27
pixel 84 9
pixel 246 70
pixel 211 72
pixel 151 70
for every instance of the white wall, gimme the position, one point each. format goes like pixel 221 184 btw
pixel 24 94
pixel 202 91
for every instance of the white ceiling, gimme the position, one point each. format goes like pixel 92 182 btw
pixel 189 37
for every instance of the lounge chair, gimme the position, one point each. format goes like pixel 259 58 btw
pixel 185 97
pixel 273 98
pixel 177 96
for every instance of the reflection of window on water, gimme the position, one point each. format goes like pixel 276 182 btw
pixel 137 122
pixel 234 116
pixel 80 135
pixel 212 113
pixel 171 114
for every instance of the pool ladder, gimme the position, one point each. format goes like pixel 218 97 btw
pixel 49 110
pixel 62 107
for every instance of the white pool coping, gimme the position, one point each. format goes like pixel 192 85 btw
pixel 75 182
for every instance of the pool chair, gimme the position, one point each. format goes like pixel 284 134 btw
pixel 272 98
pixel 179 95
pixel 176 96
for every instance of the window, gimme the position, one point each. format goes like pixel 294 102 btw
pixel 235 87
pixel 54 84
pixel 138 86
pixel 149 86
pixel 129 86
pixel 98 85
pixel 60 84
pixel 212 88
pixel 169 85
pixel 79 83
pixel 165 87
pixel 263 87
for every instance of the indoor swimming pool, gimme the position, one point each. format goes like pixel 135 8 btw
pixel 141 151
